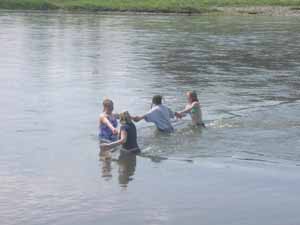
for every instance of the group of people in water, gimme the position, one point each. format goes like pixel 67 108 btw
pixel 110 136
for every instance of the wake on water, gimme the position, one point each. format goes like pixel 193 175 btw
pixel 188 143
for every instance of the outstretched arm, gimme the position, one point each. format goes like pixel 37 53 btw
pixel 122 140
pixel 105 121
pixel 186 110
pixel 137 118
pixel 189 108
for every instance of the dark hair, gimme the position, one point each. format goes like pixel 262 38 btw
pixel 157 99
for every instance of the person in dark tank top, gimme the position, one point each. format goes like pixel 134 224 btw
pixel 131 142
pixel 127 135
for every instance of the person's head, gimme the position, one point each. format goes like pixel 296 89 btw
pixel 192 96
pixel 157 100
pixel 108 105
pixel 125 117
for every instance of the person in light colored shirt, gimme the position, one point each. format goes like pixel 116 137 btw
pixel 159 114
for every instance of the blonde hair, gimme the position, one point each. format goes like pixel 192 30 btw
pixel 107 103
pixel 125 117
pixel 193 95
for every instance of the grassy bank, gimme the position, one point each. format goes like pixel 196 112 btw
pixel 176 6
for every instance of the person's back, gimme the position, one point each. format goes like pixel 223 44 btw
pixel 161 116
pixel 196 114
pixel 131 140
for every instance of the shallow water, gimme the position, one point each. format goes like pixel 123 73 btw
pixel 55 69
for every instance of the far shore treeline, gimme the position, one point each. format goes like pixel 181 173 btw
pixel 155 6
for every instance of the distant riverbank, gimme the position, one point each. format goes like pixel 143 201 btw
pixel 231 7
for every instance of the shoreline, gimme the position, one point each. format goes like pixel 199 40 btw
pixel 261 10
pixel 218 11
pixel 244 10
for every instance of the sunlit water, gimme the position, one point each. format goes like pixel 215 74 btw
pixel 55 69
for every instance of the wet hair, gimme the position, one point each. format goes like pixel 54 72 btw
pixel 125 117
pixel 157 99
pixel 193 96
pixel 107 103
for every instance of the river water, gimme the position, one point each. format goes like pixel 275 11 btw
pixel 55 70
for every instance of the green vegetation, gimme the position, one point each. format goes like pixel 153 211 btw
pixel 184 6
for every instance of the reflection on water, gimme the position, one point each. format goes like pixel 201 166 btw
pixel 106 168
pixel 152 140
pixel 126 163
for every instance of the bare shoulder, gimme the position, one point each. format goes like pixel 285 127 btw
pixel 196 104
pixel 102 116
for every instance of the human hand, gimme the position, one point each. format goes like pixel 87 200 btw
pixel 135 118
pixel 178 115
pixel 115 131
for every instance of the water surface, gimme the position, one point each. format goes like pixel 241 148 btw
pixel 55 69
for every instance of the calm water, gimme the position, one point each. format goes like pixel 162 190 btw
pixel 55 69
